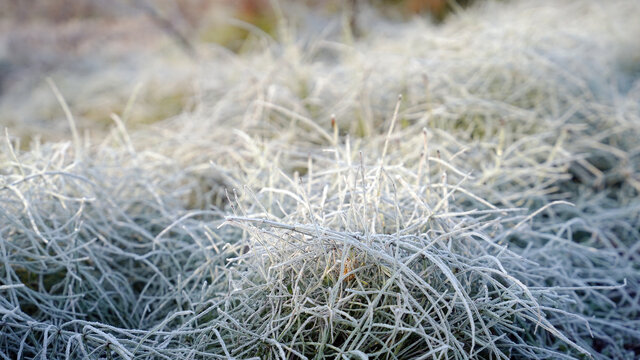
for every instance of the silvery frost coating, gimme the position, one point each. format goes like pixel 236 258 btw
pixel 491 212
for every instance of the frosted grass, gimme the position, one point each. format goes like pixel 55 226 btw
pixel 490 212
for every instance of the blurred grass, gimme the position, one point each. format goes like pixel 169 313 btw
pixel 97 46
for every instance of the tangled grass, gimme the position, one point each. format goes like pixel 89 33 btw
pixel 490 212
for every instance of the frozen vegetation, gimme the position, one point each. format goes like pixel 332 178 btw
pixel 460 191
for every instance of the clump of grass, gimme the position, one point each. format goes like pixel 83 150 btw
pixel 83 252
pixel 362 275
pixel 364 245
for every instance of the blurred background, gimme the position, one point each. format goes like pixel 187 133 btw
pixel 106 56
